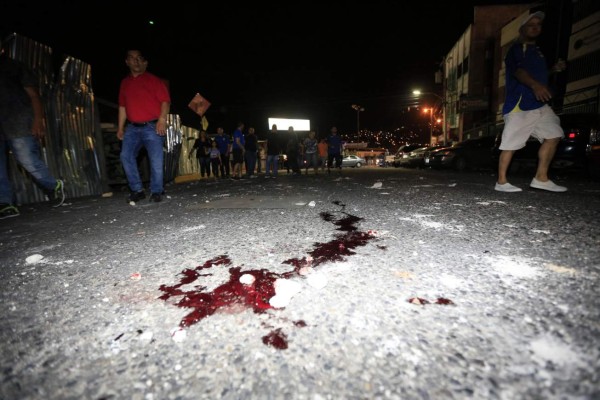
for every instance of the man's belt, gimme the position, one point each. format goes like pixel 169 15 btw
pixel 140 124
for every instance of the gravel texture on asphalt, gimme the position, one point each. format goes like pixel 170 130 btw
pixel 406 285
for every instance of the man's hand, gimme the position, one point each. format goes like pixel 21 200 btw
pixel 541 92
pixel 161 127
pixel 38 130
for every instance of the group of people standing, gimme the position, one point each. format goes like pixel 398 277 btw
pixel 225 157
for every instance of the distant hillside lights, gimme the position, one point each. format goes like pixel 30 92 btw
pixel 389 140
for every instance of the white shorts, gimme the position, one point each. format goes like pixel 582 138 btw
pixel 541 123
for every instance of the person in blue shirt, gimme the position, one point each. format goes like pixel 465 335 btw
pixel 525 111
pixel 224 145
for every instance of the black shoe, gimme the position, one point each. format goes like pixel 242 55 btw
pixel 57 196
pixel 8 210
pixel 155 197
pixel 136 196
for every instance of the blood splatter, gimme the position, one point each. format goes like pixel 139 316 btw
pixel 233 295
pixel 422 301
pixel 418 300
pixel 277 339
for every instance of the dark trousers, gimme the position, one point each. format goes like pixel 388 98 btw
pixel 215 163
pixel 250 157
pixel 293 162
pixel 204 166
pixel 337 158
pixel 225 166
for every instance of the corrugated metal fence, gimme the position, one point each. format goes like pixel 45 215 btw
pixel 73 146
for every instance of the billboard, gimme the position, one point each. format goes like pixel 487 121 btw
pixel 284 123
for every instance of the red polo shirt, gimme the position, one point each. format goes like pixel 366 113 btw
pixel 142 96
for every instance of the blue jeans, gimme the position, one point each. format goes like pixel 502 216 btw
pixel 312 160
pixel 272 164
pixel 26 151
pixel 134 138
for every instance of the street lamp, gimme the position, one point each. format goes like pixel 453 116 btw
pixel 358 110
pixel 418 93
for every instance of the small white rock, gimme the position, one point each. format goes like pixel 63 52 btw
pixel 146 336
pixel 279 301
pixel 34 259
pixel 178 334
pixel 284 287
pixel 247 279
pixel 317 280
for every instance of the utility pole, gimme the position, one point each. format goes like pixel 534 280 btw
pixel 443 105
pixel 358 110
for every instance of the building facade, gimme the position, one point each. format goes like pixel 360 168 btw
pixel 473 74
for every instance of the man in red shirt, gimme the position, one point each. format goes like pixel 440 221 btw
pixel 144 103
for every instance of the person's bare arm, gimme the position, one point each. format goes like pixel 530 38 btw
pixel 541 91
pixel 37 127
pixel 122 121
pixel 239 143
pixel 161 125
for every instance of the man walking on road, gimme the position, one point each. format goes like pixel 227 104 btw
pixel 525 110
pixel 21 127
pixel 144 104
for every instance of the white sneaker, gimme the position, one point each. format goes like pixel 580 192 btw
pixel 507 187
pixel 548 185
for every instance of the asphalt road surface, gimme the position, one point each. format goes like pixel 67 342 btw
pixel 381 283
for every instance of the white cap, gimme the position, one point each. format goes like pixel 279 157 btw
pixel 539 14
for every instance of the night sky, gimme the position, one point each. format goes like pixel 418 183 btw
pixel 288 59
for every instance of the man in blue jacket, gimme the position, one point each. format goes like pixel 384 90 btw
pixel 525 110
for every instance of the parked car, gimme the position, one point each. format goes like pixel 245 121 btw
pixel 416 158
pixel 572 151
pixel 469 154
pixel 403 151
pixel 353 161
pixel 389 160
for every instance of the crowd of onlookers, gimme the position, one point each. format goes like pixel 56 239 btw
pixel 223 156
